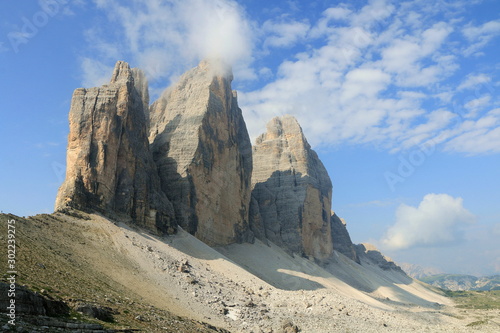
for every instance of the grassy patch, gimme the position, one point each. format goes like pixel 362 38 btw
pixel 477 323
pixel 485 300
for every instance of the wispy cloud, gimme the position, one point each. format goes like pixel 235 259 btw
pixel 480 35
pixel 436 221
pixel 164 37
pixel 95 72
pixel 363 57
pixel 382 74
pixel 284 33
pixel 473 80
pixel 481 136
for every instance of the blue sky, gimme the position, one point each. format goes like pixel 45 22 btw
pixel 399 98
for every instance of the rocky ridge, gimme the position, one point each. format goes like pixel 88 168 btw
pixel 187 161
pixel 369 253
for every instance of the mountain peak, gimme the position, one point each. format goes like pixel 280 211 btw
pixel 121 72
pixel 109 165
pixel 202 149
pixel 216 67
pixel 292 191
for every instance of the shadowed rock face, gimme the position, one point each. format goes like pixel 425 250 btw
pixel 341 239
pixel 292 191
pixel 368 252
pixel 109 165
pixel 201 146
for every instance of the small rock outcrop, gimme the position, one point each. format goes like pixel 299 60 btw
pixel 341 239
pixel 31 303
pixel 292 191
pixel 110 168
pixel 369 253
pixel 203 152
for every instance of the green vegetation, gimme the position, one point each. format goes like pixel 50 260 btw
pixel 475 299
pixel 477 323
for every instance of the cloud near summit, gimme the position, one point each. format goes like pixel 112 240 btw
pixel 436 221
pixel 165 37
pixel 381 73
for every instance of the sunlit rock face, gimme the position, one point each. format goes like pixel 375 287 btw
pixel 292 191
pixel 110 168
pixel 203 152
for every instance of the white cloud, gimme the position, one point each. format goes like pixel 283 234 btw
pixel 383 74
pixel 284 34
pixel 166 37
pixel 471 81
pixel 478 103
pixel 96 73
pixel 436 221
pixel 405 56
pixel 367 82
pixel 339 81
pixel 480 36
pixel 481 136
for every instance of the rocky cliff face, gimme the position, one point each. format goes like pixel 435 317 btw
pixel 187 160
pixel 109 165
pixel 292 191
pixel 203 153
pixel 341 239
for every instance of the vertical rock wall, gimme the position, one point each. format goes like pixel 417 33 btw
pixel 292 191
pixel 109 165
pixel 201 147
pixel 341 239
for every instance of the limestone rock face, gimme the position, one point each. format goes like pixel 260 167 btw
pixel 341 239
pixel 293 191
pixel 109 165
pixel 203 152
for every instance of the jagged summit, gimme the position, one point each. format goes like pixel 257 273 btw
pixel 292 191
pixel 277 126
pixel 121 73
pixel 203 152
pixel 109 165
pixel 187 161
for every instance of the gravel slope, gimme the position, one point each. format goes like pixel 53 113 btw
pixel 156 283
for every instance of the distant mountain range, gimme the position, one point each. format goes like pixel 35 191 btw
pixel 418 272
pixel 457 282
pixel 453 282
